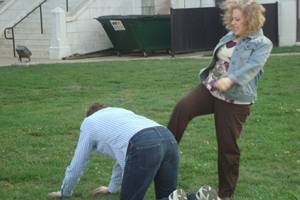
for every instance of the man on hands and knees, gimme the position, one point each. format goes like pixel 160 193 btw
pixel 144 151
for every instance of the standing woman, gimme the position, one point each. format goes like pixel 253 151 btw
pixel 228 86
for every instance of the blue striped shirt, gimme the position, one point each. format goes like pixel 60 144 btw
pixel 107 132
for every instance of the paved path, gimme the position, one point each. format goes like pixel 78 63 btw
pixel 136 56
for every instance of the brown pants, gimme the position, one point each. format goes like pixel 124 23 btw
pixel 229 121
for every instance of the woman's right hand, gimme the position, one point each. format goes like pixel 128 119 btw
pixel 223 84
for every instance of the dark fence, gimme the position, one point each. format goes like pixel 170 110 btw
pixel 200 29
pixel 271 25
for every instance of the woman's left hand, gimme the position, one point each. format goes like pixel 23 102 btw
pixel 223 84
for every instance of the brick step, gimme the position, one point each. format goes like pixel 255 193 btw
pixel 26 42
pixel 47 9
pixel 29 25
pixel 26 30
pixel 35 54
pixel 6 54
pixel 30 47
pixel 52 6
pixel 5 42
pixel 32 42
pixel 36 14
pixel 40 54
pixel 6 47
pixel 36 19
pixel 33 36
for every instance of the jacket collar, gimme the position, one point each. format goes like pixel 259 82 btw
pixel 256 34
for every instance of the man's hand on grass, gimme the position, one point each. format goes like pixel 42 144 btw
pixel 55 194
pixel 101 189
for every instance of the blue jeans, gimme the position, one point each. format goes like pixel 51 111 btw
pixel 152 155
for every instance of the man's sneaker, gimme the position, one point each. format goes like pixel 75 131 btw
pixel 206 193
pixel 178 195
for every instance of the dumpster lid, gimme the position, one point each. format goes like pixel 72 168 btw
pixel 131 16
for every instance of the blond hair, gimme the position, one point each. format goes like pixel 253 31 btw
pixel 252 11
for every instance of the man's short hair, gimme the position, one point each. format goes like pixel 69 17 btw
pixel 97 105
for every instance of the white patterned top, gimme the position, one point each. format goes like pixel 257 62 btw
pixel 220 70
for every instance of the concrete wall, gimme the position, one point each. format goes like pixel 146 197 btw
pixel 162 7
pixel 85 33
pixel 287 21
pixel 287 16
pixel 193 3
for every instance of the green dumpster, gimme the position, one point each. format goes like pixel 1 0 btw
pixel 145 33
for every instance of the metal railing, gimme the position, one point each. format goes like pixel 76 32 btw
pixel 12 28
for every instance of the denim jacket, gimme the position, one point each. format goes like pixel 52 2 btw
pixel 246 65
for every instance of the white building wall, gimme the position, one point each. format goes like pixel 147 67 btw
pixel 175 4
pixel 207 3
pixel 199 3
pixel 162 6
pixel 192 4
pixel 85 33
pixel 287 22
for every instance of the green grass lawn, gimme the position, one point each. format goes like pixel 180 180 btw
pixel 275 50
pixel 43 106
pixel 286 49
